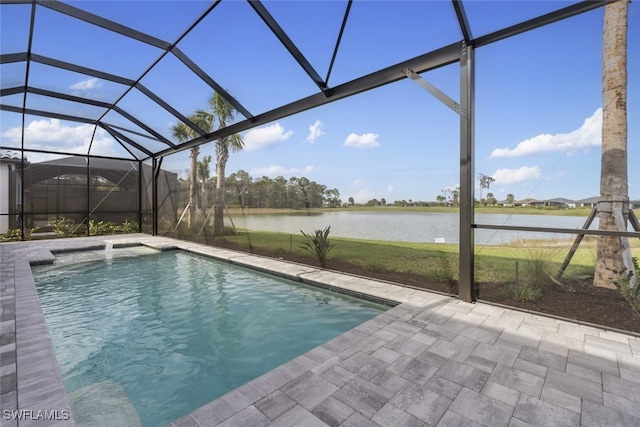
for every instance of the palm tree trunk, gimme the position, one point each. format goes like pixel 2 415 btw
pixel 614 192
pixel 193 185
pixel 204 198
pixel 222 155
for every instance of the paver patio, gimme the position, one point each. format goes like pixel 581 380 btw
pixel 432 360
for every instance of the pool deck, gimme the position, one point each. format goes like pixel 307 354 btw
pixel 431 360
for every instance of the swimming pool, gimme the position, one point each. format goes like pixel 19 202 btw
pixel 147 339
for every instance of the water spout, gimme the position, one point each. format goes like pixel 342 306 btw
pixel 108 249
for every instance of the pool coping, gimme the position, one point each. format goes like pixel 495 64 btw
pixel 466 363
pixel 31 380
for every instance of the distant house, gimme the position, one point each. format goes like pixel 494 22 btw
pixel 528 202
pixel 592 202
pixel 589 202
pixel 505 202
pixel 560 202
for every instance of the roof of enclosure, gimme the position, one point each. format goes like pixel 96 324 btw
pixel 134 69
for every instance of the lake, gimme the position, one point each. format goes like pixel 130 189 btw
pixel 423 227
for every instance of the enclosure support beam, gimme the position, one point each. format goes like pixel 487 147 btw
pixel 155 169
pixel 576 243
pixel 437 93
pixel 466 286
pixel 140 178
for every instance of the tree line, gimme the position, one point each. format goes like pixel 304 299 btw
pixel 244 191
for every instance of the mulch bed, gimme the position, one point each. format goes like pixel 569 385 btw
pixel 578 301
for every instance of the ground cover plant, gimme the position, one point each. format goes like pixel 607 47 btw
pixel 629 286
pixel 318 244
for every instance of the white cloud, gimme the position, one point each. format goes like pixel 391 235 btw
pixel 358 183
pixel 265 136
pixel 53 135
pixel 390 189
pixel 315 131
pixel 364 195
pixel 587 136
pixel 86 85
pixel 277 170
pixel 509 176
pixel 366 140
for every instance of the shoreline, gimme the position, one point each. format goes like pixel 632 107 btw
pixel 518 210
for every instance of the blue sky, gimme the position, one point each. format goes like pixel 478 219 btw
pixel 538 95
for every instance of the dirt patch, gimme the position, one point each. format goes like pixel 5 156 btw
pixel 583 303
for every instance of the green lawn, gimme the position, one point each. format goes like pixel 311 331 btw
pixel 438 262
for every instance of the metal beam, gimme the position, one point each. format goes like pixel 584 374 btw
pixel 169 108
pixel 82 70
pixel 440 95
pixel 104 23
pixel 287 43
pixel 8 58
pixel 117 135
pixel 67 97
pixel 463 21
pixel 558 230
pixel 466 285
pixel 212 83
pixel 335 50
pixel 13 90
pixel 65 153
pixel 549 18
pixel 47 114
pixel 428 61
pixel 130 131
pixel 142 125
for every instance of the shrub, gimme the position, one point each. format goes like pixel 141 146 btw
pixel 318 244
pixel 629 287
pixel 16 234
pixel 127 227
pixel 63 227
pixel 97 228
pixel 536 274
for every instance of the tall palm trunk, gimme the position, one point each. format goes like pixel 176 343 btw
pixel 193 185
pixel 204 197
pixel 614 192
pixel 222 155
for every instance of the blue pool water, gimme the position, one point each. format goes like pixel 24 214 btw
pixel 154 337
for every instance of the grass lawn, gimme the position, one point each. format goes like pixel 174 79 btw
pixel 437 262
pixel 435 267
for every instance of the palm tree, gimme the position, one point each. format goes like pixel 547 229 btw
pixel 614 190
pixel 221 113
pixel 182 133
pixel 203 174
pixel 485 182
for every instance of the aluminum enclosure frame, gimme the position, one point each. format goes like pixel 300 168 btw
pixel 462 52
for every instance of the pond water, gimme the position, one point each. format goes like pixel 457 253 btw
pixel 409 226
